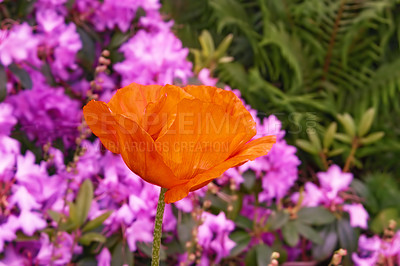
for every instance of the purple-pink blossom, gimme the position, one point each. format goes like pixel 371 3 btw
pixel 213 237
pixel 17 44
pixel 47 114
pixel 153 58
pixel 358 215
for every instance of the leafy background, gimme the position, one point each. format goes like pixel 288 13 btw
pixel 308 59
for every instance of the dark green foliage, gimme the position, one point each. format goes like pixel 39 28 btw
pixel 296 57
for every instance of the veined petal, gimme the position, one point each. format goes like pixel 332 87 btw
pixel 250 151
pixel 101 121
pixel 202 136
pixel 160 115
pixel 138 150
pixel 226 99
pixel 131 100
pixel 231 105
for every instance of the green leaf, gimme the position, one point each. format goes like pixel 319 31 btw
pixel 146 248
pixel 306 146
pixel 277 219
pixel 308 232
pixel 347 235
pixel 316 142
pixel 84 201
pixel 46 71
pixel 21 75
pixel 67 226
pixel 381 221
pixel 343 138
pixel 73 214
pixel 330 135
pixel 121 255
pixel 290 233
pixel 242 240
pixel 207 43
pixel 366 122
pixel 96 222
pixel 22 237
pixel 87 54
pixel 315 216
pixel 326 248
pixel 371 138
pixel 251 257
pixel 243 222
pixel 259 255
pixel 335 152
pixel 348 123
pixel 185 229
pixel 223 47
pixel 237 206
pixel 90 237
pixel 56 216
pixel 87 262
pixel 249 180
pixel 117 39
pixel 3 83
pixel 263 253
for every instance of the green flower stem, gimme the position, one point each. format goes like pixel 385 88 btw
pixel 155 258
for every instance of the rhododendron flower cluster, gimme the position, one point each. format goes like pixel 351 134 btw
pixel 332 183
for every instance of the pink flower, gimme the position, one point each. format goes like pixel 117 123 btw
pixel 313 195
pixel 270 126
pixel 154 58
pixel 104 258
pixel 140 230
pixel 206 79
pixel 17 44
pixel 61 252
pixel 392 247
pixel 358 215
pixel 333 181
pixel 214 238
pixel 280 167
pixel 23 199
pixel 29 222
pixel 7 231
pixel 7 119
pixel 368 250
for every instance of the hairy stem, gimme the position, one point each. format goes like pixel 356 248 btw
pixel 155 259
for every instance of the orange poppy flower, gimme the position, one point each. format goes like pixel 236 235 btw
pixel 177 138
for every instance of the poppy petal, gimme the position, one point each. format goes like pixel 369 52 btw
pixel 250 151
pixel 201 136
pixel 101 121
pixel 227 99
pixel 131 100
pixel 139 153
pixel 231 104
pixel 160 115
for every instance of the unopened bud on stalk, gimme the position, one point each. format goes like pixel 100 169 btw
pixel 337 257
pixel 104 61
pixel 105 53
pixel 207 204
pixel 275 255
pixel 192 257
